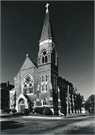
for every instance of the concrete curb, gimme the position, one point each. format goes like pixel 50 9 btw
pixel 43 117
pixel 5 116
pixel 39 117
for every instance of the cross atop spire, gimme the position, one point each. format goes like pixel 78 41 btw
pixel 26 55
pixel 47 7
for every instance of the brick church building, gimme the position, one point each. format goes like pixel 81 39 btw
pixel 38 85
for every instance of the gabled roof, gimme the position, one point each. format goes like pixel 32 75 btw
pixel 47 32
pixel 34 64
pixel 28 64
pixel 32 97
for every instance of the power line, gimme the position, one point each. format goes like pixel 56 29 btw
pixel 85 83
pixel 87 78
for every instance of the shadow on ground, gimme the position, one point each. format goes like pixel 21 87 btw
pixel 10 125
pixel 80 130
pixel 47 128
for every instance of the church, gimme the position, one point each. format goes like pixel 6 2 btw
pixel 39 85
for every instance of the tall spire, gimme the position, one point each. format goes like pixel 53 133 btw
pixel 47 32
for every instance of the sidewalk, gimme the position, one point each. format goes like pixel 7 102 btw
pixel 5 115
pixel 73 115
pixel 56 117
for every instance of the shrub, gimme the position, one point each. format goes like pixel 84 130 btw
pixel 13 110
pixel 6 110
pixel 38 110
pixel 47 111
pixel 26 111
pixel 31 109
pixel 18 114
pixel 63 111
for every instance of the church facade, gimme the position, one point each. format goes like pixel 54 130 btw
pixel 39 85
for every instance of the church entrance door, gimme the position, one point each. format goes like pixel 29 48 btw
pixel 21 105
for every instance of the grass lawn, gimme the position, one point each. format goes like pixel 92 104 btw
pixel 33 126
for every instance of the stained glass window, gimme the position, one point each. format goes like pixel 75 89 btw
pixel 28 85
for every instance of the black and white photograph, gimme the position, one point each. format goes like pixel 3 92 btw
pixel 47 67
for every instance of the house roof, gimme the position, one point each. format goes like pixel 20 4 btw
pixel 5 86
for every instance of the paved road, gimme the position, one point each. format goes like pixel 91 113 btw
pixel 26 125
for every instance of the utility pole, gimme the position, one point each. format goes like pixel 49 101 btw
pixel 67 99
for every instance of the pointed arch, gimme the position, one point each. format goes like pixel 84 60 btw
pixel 44 102
pixel 44 82
pixel 42 59
pixel 46 77
pixel 46 87
pixel 44 56
pixel 27 84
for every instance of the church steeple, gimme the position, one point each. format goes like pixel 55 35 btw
pixel 48 62
pixel 47 45
pixel 47 32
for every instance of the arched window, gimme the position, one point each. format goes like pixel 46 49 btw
pixel 44 82
pixel 44 102
pixel 42 78
pixel 31 88
pixel 46 78
pixel 46 87
pixel 42 88
pixel 28 85
pixel 44 57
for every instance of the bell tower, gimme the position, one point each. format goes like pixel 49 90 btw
pixel 48 63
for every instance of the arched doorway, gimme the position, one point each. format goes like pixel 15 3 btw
pixel 21 105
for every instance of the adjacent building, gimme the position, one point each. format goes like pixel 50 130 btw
pixel 4 95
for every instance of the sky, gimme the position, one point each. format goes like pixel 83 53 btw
pixel 73 28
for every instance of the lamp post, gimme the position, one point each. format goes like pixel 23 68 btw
pixel 67 99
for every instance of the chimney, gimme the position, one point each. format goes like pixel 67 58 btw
pixel 7 83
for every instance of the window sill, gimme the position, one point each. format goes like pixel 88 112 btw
pixel 30 94
pixel 43 91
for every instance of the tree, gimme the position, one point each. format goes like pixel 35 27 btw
pixel 89 104
pixel 79 102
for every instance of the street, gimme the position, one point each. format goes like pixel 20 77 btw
pixel 25 125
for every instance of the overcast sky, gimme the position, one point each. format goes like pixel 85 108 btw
pixel 73 27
